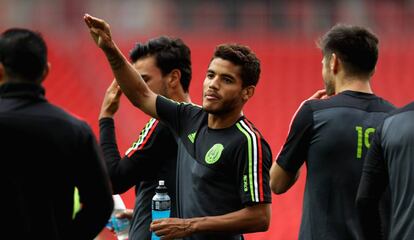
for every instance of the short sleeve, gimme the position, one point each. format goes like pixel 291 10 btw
pixel 178 116
pixel 254 159
pixel 168 111
pixel 295 149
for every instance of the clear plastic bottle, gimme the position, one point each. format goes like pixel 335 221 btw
pixel 120 226
pixel 161 205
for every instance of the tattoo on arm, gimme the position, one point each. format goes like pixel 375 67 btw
pixel 115 61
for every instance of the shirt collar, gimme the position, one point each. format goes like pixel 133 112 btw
pixel 22 90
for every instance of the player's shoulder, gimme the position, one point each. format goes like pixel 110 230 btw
pixel 156 127
pixel 247 131
pixel 399 111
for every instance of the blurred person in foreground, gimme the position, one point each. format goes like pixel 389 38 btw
pixel 223 161
pixel 165 65
pixel 389 163
pixel 332 136
pixel 46 152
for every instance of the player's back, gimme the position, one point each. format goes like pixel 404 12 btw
pixel 342 129
pixel 44 150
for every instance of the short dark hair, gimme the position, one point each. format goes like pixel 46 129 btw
pixel 170 53
pixel 242 56
pixel 23 54
pixel 355 46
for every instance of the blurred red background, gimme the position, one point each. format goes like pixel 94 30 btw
pixel 291 72
pixel 282 33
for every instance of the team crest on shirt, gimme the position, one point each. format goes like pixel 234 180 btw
pixel 214 154
pixel 192 136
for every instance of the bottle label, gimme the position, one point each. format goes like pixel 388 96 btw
pixel 161 205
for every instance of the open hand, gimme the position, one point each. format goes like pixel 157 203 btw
pixel 100 31
pixel 110 104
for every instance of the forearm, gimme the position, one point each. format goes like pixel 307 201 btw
pixel 111 155
pixel 281 180
pixel 249 219
pixel 131 82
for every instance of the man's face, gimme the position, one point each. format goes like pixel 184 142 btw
pixel 152 75
pixel 328 78
pixel 222 87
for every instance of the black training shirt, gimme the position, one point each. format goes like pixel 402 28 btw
pixel 332 136
pixel 218 170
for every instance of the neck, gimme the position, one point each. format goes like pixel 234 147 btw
pixel 181 97
pixel 354 84
pixel 219 121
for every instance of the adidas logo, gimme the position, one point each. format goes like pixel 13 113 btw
pixel 192 136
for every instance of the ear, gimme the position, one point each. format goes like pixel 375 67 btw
pixel 248 92
pixel 45 72
pixel 334 63
pixel 174 79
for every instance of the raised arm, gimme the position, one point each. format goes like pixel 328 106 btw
pixel 130 81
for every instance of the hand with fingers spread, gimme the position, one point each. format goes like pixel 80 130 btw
pixel 100 32
pixel 172 228
pixel 320 94
pixel 110 104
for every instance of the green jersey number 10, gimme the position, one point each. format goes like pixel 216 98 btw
pixel 363 139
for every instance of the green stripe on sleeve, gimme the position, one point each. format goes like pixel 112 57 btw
pixel 249 143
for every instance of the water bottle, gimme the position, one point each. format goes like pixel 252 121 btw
pixel 120 226
pixel 161 205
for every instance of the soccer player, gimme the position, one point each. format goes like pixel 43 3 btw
pixel 46 153
pixel 389 163
pixel 332 135
pixel 223 161
pixel 165 65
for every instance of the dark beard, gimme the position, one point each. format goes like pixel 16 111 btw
pixel 227 107
pixel 330 89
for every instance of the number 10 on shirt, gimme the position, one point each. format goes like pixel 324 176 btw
pixel 363 139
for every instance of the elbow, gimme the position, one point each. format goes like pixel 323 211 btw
pixel 263 222
pixel 281 180
pixel 139 96
pixel 277 187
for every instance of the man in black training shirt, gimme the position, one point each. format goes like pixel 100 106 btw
pixel 46 153
pixel 223 161
pixel 389 162
pixel 165 65
pixel 332 135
